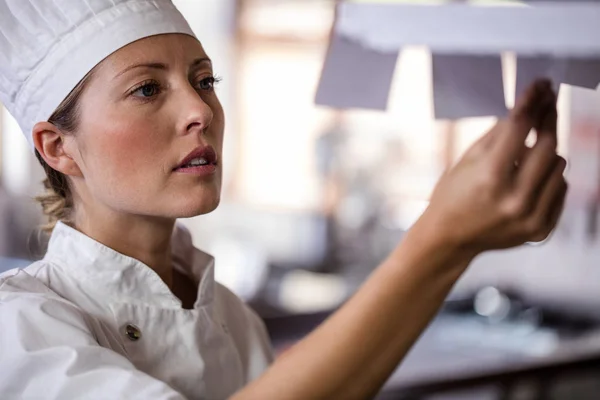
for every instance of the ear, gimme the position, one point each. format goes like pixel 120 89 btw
pixel 49 141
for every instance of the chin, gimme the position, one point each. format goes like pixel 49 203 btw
pixel 194 200
pixel 198 208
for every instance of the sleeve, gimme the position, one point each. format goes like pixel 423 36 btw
pixel 47 351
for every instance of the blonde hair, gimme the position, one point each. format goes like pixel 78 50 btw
pixel 57 199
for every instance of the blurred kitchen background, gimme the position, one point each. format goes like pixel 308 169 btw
pixel 315 197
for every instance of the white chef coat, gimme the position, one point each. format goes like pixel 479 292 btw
pixel 87 322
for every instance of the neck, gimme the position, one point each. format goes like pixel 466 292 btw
pixel 146 239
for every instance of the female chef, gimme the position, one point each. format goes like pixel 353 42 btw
pixel 117 101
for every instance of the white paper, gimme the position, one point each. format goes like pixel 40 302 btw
pixel 584 147
pixel 355 77
pixel 467 86
pixel 567 29
pixel 531 68
pixel 557 40
pixel 584 73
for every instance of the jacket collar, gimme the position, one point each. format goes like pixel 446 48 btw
pixel 125 279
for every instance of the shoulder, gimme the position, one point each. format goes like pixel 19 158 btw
pixel 246 329
pixel 229 303
pixel 30 311
pixel 48 349
pixel 33 279
pixel 23 281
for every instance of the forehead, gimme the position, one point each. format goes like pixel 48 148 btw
pixel 173 48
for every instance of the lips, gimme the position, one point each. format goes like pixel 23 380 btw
pixel 199 157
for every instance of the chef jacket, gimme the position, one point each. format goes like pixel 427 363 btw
pixel 87 322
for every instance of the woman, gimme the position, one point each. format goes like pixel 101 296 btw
pixel 116 98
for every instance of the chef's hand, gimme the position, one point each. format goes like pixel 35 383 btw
pixel 502 193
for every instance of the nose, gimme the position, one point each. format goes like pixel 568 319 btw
pixel 196 115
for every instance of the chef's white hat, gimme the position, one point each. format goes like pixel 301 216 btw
pixel 48 46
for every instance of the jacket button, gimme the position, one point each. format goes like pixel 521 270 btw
pixel 133 332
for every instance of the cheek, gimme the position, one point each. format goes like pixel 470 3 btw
pixel 218 123
pixel 123 154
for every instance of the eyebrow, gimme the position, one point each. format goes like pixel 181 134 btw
pixel 157 65
pixel 199 61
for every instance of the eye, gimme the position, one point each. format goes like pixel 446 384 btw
pixel 208 83
pixel 146 90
